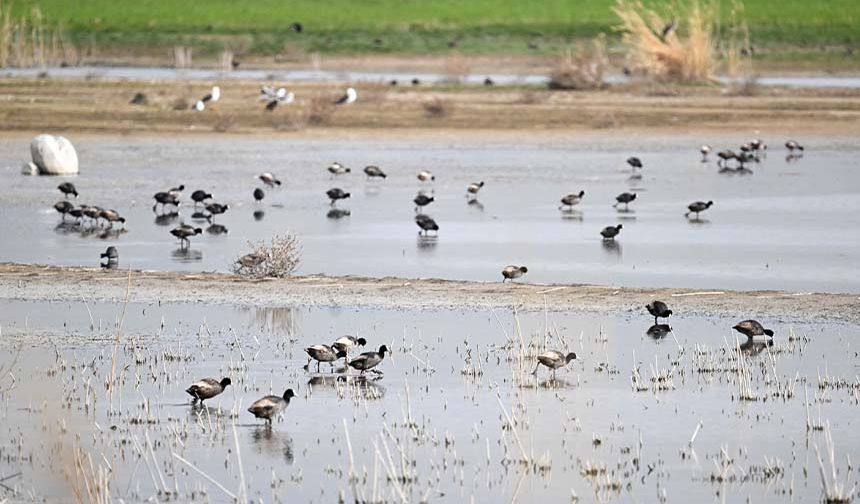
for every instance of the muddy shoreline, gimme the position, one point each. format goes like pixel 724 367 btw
pixel 49 283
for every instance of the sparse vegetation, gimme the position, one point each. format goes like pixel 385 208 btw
pixel 278 259
pixel 437 107
pixel 584 70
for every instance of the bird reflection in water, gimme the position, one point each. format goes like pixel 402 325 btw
pixel 571 214
pixel 166 219
pixel 259 214
pixel 338 213
pixel 216 229
pixel 753 348
pixel 427 242
pixel 474 203
pixel 611 247
pixel 273 443
pixel 658 331
pixel 187 255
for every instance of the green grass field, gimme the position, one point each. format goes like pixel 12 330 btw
pixel 416 26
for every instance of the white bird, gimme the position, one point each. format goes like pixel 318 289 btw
pixel 338 169
pixel 425 175
pixel 213 96
pixel 274 97
pixel 350 97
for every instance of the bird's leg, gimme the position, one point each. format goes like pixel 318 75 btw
pixel 655 319
pixel 536 369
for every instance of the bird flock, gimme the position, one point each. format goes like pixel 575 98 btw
pixel 271 96
pixel 166 203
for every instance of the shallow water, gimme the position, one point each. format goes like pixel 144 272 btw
pixel 403 78
pixel 435 416
pixel 786 225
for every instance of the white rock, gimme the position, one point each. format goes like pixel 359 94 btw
pixel 29 168
pixel 54 155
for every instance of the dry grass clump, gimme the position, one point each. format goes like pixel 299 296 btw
pixel 455 68
pixel 584 70
pixel 276 260
pixel 320 110
pixel 437 107
pixel 27 41
pixel 655 47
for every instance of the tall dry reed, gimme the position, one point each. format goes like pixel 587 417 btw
pixel 28 41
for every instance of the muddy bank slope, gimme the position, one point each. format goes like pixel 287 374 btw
pixel 35 282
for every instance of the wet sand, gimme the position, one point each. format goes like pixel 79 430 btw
pixel 49 283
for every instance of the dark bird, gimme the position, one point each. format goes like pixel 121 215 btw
pixel 111 216
pixel 296 27
pixel 792 146
pixel 64 207
pixel 183 232
pixel 426 223
pixel 274 97
pixel 271 406
pixel 259 195
pixel 698 206
pixel 553 360
pixel 473 188
pixel 513 272
pixel 207 388
pixel 324 353
pixel 251 260
pixel 374 172
pixel 338 169
pixel 634 162
pixel 349 97
pixel 68 188
pixel 415 81
pixel 658 309
pixel 610 232
pixel 368 360
pixel 213 96
pixel 752 328
pixel 216 209
pixel 165 198
pixel 571 200
pixel 725 156
pixel 758 144
pixel 199 196
pixel 77 213
pixel 625 198
pixel 488 81
pixel 111 254
pixel 422 200
pixel 269 179
pixel 335 194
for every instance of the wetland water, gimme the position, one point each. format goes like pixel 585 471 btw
pixel 786 225
pixel 438 424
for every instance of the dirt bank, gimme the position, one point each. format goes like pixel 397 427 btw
pixel 35 282
pixel 100 106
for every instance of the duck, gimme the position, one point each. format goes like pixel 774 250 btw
pixel 698 206
pixel 758 144
pixel 349 97
pixel 725 156
pixel 553 359
pixel 207 388
pixel 165 198
pixel 368 360
pixel 177 191
pixel 111 254
pixel 338 169
pixel 426 223
pixel 658 309
pixel 792 146
pixel 625 198
pixel 271 406
pixel 374 172
pixel 324 353
pixel 67 188
pixel 200 196
pixel 274 97
pixel 426 176
pixel 571 200
pixel 269 179
pixel 183 232
pixel 512 272
pixel 110 216
pixel 335 194
pixel 610 232
pixel 64 207
pixel 251 260
pixel 216 209
pixel 474 187
pixel 91 212
pixel 752 328
pixel 259 195
pixel 634 162
pixel 422 200
pixel 705 150
pixel 344 343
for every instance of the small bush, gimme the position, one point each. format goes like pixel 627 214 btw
pixel 437 107
pixel 581 71
pixel 276 260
